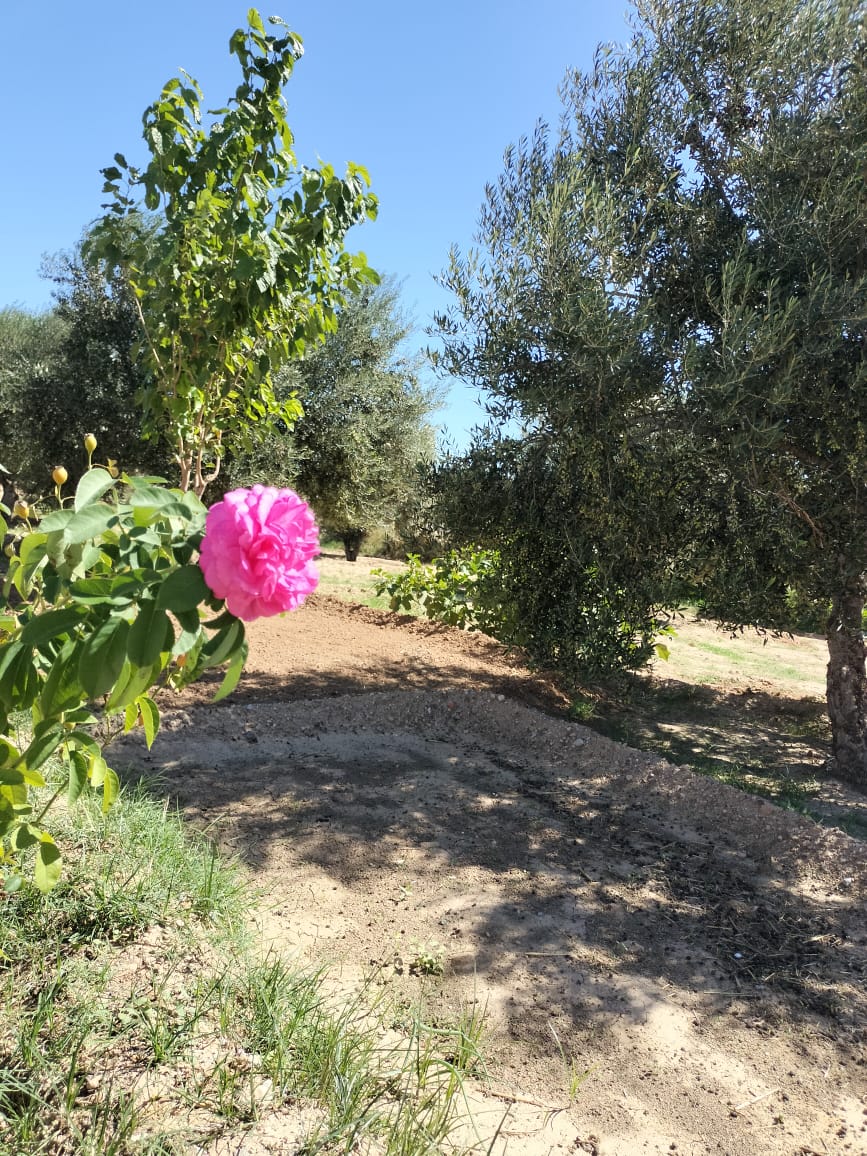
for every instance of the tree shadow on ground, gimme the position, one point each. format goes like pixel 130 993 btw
pixel 766 744
pixel 589 888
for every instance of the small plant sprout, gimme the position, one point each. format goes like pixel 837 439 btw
pixel 427 958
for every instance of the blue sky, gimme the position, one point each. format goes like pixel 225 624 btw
pixel 426 96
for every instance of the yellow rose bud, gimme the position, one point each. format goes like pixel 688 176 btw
pixel 90 442
pixel 60 475
pixel 21 510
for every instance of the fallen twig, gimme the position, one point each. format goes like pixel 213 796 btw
pixel 755 1099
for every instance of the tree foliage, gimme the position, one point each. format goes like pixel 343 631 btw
pixel 244 265
pixel 670 297
pixel 365 429
pixel 29 343
pixel 75 374
pixel 70 371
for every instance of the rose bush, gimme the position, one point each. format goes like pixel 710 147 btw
pixel 103 601
pixel 258 549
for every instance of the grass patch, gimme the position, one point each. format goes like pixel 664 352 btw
pixel 358 588
pixel 751 663
pixel 139 1019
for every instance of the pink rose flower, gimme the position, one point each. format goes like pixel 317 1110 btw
pixel 257 551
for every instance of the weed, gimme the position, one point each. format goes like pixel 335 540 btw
pixel 575 1076
pixel 247 1032
pixel 427 959
pixel 582 709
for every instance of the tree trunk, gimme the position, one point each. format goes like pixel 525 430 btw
pixel 847 685
pixel 352 540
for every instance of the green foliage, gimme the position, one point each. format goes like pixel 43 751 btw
pixel 463 588
pixel 356 454
pixel 242 264
pixel 75 375
pixel 579 570
pixel 101 603
pixel 29 346
pixel 669 299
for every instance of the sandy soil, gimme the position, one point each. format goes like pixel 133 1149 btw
pixel 666 965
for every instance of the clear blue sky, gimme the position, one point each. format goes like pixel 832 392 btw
pixel 426 96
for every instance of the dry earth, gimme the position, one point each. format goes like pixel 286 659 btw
pixel 666 964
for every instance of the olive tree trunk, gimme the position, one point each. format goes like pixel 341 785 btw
pixel 847 685
pixel 352 540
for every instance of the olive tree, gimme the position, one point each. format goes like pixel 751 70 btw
pixel 670 297
pixel 366 428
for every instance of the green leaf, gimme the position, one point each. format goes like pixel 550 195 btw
pixel 191 629
pixel 130 716
pixel 184 589
pixel 233 673
pixel 8 753
pixel 130 686
pixel 83 741
pixel 24 836
pixel 11 656
pixel 110 789
pixel 92 486
pixel 77 775
pixel 97 768
pixel 89 523
pixel 62 690
pixel 147 636
pixel 224 643
pixel 56 520
pixel 150 717
pixel 43 746
pixel 120 591
pixel 48 865
pixel 50 624
pixel 102 657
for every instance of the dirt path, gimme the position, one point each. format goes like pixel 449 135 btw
pixel 666 965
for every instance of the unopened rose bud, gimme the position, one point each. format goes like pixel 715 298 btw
pixel 9 551
pixel 90 442
pixel 60 475
pixel 21 510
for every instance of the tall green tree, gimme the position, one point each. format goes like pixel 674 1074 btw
pixel 245 263
pixel 73 371
pixel 366 428
pixel 29 343
pixel 671 298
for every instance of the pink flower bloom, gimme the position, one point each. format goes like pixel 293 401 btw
pixel 257 551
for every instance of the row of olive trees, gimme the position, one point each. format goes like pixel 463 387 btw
pixel 358 454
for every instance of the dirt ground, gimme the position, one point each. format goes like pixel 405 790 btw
pixel 666 965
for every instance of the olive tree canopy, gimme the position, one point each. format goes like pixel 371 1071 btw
pixel 670 297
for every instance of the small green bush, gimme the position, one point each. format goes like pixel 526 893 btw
pixel 463 588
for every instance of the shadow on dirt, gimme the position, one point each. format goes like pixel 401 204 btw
pixel 576 880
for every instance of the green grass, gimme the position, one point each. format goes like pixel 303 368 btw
pixel 751 664
pixel 230 1035
pixel 359 588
